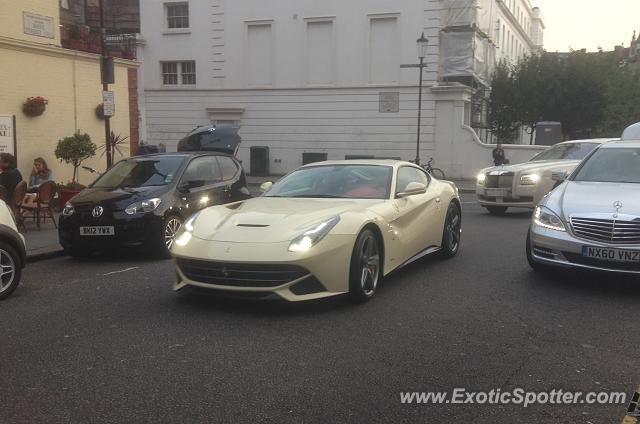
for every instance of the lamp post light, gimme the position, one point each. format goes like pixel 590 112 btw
pixel 423 43
pixel 422 53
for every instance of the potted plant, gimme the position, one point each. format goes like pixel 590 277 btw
pixel 34 106
pixel 100 111
pixel 73 150
pixel 117 143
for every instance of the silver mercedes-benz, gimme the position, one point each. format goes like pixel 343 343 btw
pixel 592 220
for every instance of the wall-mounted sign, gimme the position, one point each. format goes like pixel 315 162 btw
pixel 38 25
pixel 7 134
pixel 389 102
pixel 109 103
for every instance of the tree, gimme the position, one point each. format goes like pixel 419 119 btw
pixel 74 150
pixel 503 109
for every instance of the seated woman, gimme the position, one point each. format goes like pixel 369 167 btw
pixel 39 174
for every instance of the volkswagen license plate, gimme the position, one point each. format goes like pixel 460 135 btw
pixel 608 254
pixel 97 231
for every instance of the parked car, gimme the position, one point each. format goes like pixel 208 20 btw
pixel 592 220
pixel 143 200
pixel 523 185
pixel 325 229
pixel 13 255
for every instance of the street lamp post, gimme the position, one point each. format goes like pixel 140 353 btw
pixel 423 43
pixel 105 63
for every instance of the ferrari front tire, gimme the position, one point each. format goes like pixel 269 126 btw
pixel 365 269
pixel 452 232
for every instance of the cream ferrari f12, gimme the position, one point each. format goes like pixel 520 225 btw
pixel 325 229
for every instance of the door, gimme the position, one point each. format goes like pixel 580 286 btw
pixel 417 222
pixel 201 185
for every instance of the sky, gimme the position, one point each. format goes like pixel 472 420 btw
pixel 588 24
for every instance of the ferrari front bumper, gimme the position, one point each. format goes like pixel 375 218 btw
pixel 256 269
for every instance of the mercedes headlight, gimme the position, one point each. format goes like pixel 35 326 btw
pixel 545 218
pixel 481 179
pixel 143 206
pixel 312 235
pixel 529 179
pixel 68 209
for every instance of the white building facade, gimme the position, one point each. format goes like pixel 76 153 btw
pixel 311 79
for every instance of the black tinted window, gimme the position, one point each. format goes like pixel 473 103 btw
pixel 228 167
pixel 203 169
pixel 141 172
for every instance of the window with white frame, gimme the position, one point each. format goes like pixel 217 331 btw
pixel 177 15
pixel 179 72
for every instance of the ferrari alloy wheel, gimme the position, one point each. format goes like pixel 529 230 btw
pixel 452 232
pixel 172 227
pixel 9 270
pixel 365 267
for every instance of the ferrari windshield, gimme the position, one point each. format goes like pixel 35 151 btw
pixel 569 151
pixel 340 181
pixel 611 165
pixel 151 171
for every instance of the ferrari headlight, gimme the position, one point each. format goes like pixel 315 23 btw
pixel 143 206
pixel 68 209
pixel 313 235
pixel 530 179
pixel 187 231
pixel 481 179
pixel 545 218
pixel 188 226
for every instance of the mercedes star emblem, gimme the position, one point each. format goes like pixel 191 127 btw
pixel 97 212
pixel 618 205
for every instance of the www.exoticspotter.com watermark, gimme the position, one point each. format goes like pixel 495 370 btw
pixel 518 396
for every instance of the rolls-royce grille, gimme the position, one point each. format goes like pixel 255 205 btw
pixel 607 230
pixel 239 274
pixel 499 181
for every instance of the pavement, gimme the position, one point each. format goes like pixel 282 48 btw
pixel 43 244
pixel 106 340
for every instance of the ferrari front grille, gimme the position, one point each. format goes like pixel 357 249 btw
pixel 239 274
pixel 607 230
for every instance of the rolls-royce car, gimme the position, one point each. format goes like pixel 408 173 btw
pixel 592 220
pixel 144 200
pixel 523 185
pixel 325 229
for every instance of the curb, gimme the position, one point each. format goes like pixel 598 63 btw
pixel 45 255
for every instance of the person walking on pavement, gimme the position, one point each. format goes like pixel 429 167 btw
pixel 498 156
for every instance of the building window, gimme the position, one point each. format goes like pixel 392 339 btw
pixel 177 15
pixel 320 52
pixel 384 45
pixel 259 54
pixel 186 70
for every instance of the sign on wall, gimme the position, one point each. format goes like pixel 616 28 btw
pixel 389 102
pixel 7 134
pixel 38 25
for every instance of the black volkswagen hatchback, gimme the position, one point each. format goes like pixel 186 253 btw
pixel 143 201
